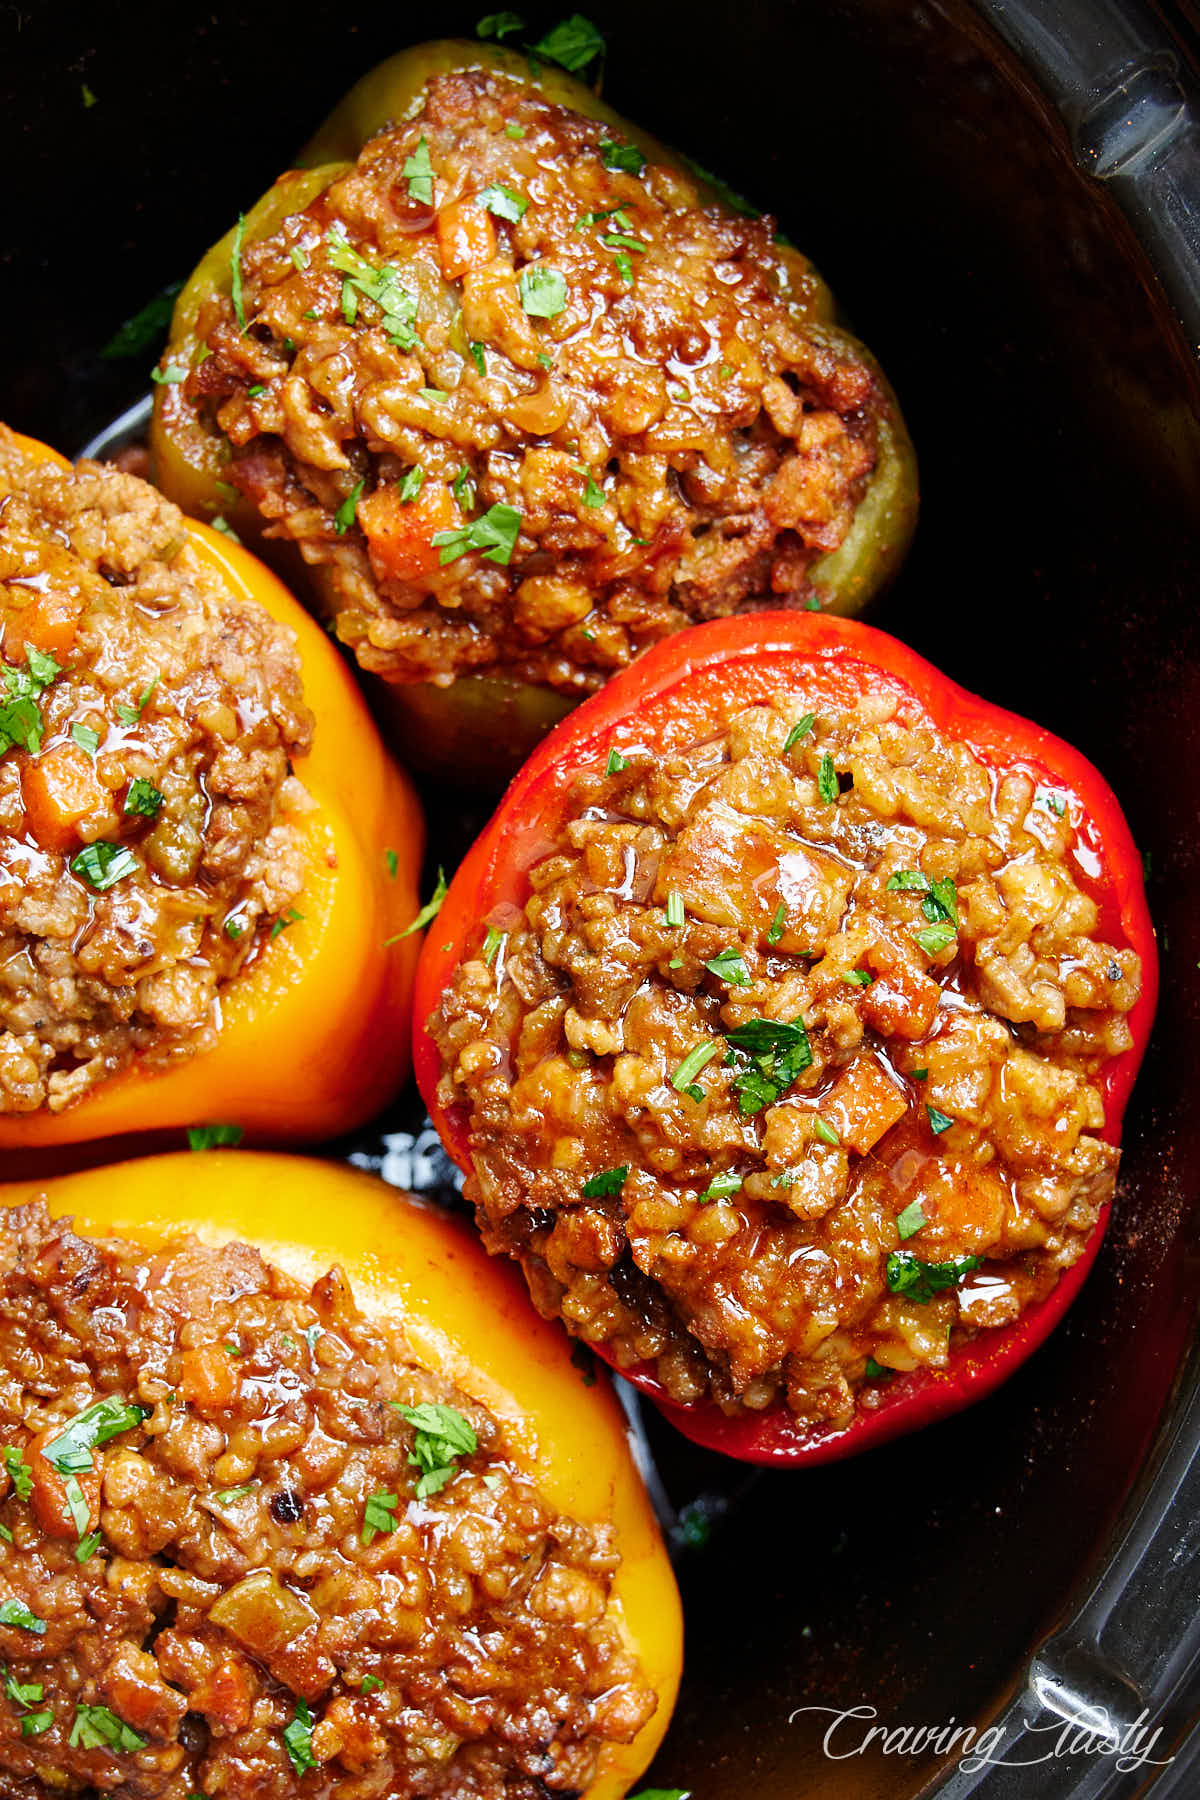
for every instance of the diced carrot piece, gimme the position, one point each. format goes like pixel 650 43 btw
pixel 901 1001
pixel 466 238
pixel 60 788
pixel 207 1378
pixel 49 624
pixel 48 1493
pixel 863 1103
pixel 400 533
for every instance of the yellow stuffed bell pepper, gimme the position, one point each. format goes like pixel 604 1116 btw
pixel 205 851
pixel 391 1525
pixel 523 394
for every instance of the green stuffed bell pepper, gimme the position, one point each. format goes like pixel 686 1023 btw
pixel 521 394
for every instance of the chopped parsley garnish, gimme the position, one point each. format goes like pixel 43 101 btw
pixel 391 863
pixel 297 1739
pixel 438 396
pixel 463 488
pixel 858 977
pixel 621 156
pixel 624 240
pixel 513 130
pixel 442 1436
pixel 573 43
pixel 728 966
pixel 827 781
pixel 800 729
pixel 938 1121
pixel 418 172
pixel 77 1506
pixel 933 939
pixel 258 388
pixel 349 301
pixel 299 258
pixel 398 306
pixel 143 798
pixel 911 1220
pixel 343 518
pixel 227 1496
pixel 543 291
pixel 1056 802
pixel 875 1371
pixel 625 271
pixel 499 25
pixel 171 376
pixel 290 917
pixel 918 1074
pixel 6 1534
pixel 102 864
pixel 412 484
pixel 35 1723
pixel 235 262
pixel 616 762
pixel 908 881
pixel 378 1516
pixel 674 909
pixel 825 1131
pixel 221 524
pixel 777 924
pixel 492 942
pixel 71 1451
pixel 19 1471
pixel 131 715
pixel 20 715
pixel 768 1055
pixel 593 493
pixel 214 1137
pixel 478 356
pixel 941 902
pixel 696 1059
pixel 428 912
pixel 370 1684
pixel 15 1612
pixel 606 1184
pixel 920 1281
pixel 22 1693
pixel 503 202
pixel 720 1188
pixel 494 533
pixel 87 1547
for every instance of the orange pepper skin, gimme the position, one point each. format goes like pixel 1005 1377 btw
pixel 464 1315
pixel 311 1040
pixel 466 238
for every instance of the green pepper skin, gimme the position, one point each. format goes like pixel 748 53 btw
pixel 481 727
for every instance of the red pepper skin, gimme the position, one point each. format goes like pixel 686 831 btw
pixel 667 699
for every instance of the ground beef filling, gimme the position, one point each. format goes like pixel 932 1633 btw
pixel 624 372
pixel 786 1078
pixel 254 1583
pixel 146 729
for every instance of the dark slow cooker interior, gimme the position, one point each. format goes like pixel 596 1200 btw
pixel 1053 404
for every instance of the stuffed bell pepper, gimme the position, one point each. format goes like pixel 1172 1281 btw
pixel 525 396
pixel 299 1498
pixel 204 848
pixel 783 1020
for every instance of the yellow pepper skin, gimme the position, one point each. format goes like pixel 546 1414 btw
pixel 482 726
pixel 312 1036
pixel 464 1315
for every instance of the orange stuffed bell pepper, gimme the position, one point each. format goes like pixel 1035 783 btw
pixel 579 401
pixel 204 848
pixel 389 1526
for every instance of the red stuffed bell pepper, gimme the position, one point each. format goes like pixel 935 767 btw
pixel 783 1019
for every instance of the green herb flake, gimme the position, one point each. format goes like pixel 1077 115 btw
pixel 625 240
pixel 215 1137
pixel 941 902
pixel 800 729
pixel 857 977
pixel 918 1074
pixel 381 286
pixel 778 924
pixel 77 1506
pixel 428 912
pixel 616 762
pixel 543 291
pixel 131 715
pixel 343 518
pixel 573 44
pixel 606 1184
pixel 478 356
pixel 33 1724
pixel 827 781
pixel 768 1055
pixel 19 1471
pixel 20 716
pixel 370 1684
pixel 412 483
pixel 499 25
pixel 696 1059
pixel 825 1131
pixel 297 1739
pixel 6 1534
pixel 103 864
pixel 15 1612
pixel 418 172
pixel 910 1221
pixel 443 1434
pixel 143 798
pixel 674 909
pixel 349 301
pixel 391 863
pixel 171 376
pixel 728 966
pixel 221 524
pixel 290 917
pixel 920 1281
pixel 513 130
pixel 1055 802
pixel 463 488
pixel 593 493
pixel 378 1516
pixel 933 939
pixel 235 263
pixel 503 202
pixel 938 1121
pixel 626 157
pixel 720 1188
pixel 299 258
pixel 493 533
pixel 23 1693
pixel 625 271
pixel 437 396
pixel 71 1451
pixel 87 1547
pixel 228 1496
pixel 492 944
pixel 876 1371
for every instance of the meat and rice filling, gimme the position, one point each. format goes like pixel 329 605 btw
pixel 250 1550
pixel 787 1077
pixel 528 404
pixel 147 724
